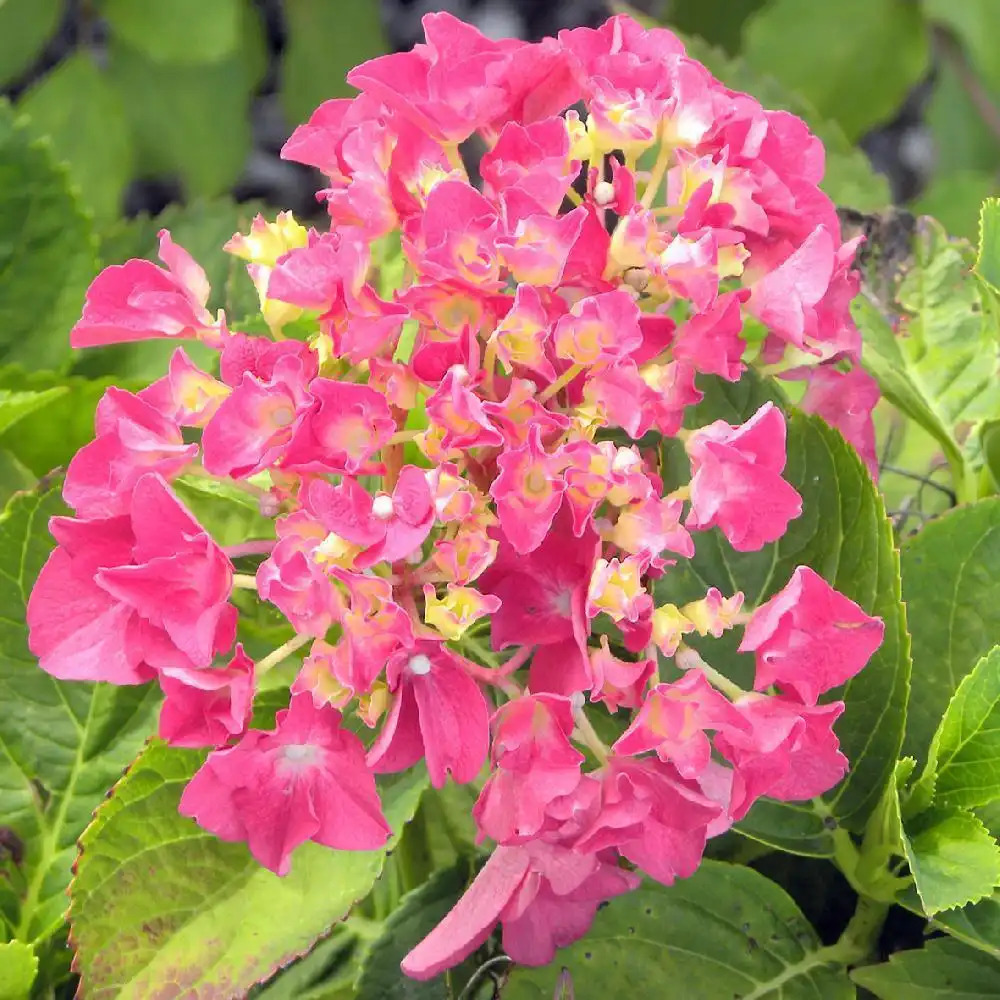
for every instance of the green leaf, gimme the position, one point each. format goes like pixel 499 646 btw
pixel 941 970
pixel 192 121
pixel 418 913
pixel 954 199
pixel 62 744
pixel 15 406
pixel 330 965
pixel 25 26
pixel 182 31
pixel 724 932
pixel 855 60
pixel 975 24
pixel 42 445
pixel 963 767
pixel 155 894
pixel 935 368
pixel 988 257
pixel 46 251
pixel 952 857
pixel 71 105
pixel 18 968
pixel 952 594
pixel 977 925
pixel 230 515
pixel 325 41
pixel 844 535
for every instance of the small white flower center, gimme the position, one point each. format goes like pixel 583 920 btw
pixel 300 753
pixel 382 506
pixel 624 460
pixel 419 665
pixel 604 193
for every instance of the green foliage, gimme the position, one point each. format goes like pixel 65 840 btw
pixel 842 534
pixel 939 368
pixel 724 932
pixel 183 31
pixel 943 970
pixel 415 917
pixel 952 857
pixel 46 251
pixel 156 897
pixel 977 925
pixel 988 257
pixel 324 41
pixel 71 105
pixel 25 26
pixel 62 744
pixel 18 969
pixel 951 590
pixel 855 60
pixel 963 767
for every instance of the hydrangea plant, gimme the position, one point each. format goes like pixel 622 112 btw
pixel 471 418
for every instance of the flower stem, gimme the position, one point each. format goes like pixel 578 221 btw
pixel 245 581
pixel 588 735
pixel 561 382
pixel 656 175
pixel 281 653
pixel 690 659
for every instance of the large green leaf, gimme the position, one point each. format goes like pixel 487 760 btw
pixel 52 438
pixel 325 41
pixel 988 258
pixel 963 768
pixel 25 26
pixel 15 406
pixel 46 251
pixel 977 925
pixel 855 60
pixel 62 745
pixel 182 31
pixel 725 932
pixel 975 23
pixel 73 104
pixel 952 857
pixel 191 121
pixel 416 916
pixel 844 535
pixel 18 968
pixel 940 366
pixel 942 970
pixel 158 900
pixel 952 592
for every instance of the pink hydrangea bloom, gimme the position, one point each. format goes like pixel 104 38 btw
pixel 304 780
pixel 459 423
pixel 438 713
pixel 205 707
pixel 534 763
pixel 139 301
pixel 790 751
pixel 544 895
pixel 809 638
pixel 121 596
pixel 737 482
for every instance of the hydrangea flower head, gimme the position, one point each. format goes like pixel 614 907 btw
pixel 462 453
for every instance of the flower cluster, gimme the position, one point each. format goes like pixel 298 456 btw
pixel 468 524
